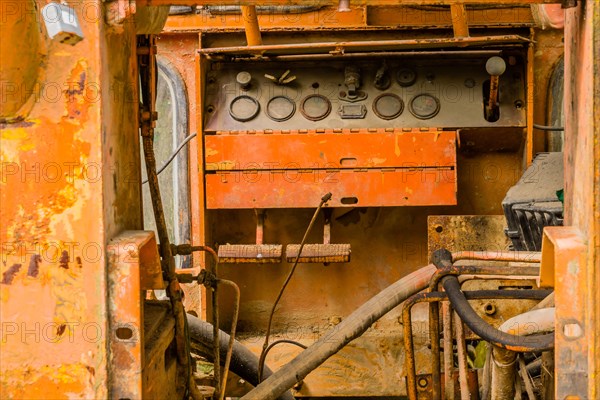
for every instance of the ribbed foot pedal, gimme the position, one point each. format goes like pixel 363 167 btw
pixel 319 253
pixel 258 253
pixel 250 253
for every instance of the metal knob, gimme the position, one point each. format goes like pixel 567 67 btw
pixel 495 66
pixel 244 78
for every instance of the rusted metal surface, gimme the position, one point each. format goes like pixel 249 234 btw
pixel 576 376
pixel 466 232
pixel 133 267
pixel 250 253
pixel 251 25
pixel 449 325
pixel 565 255
pixel 461 353
pixel 460 23
pixel 425 390
pixel 450 384
pixel 68 183
pixel 364 17
pixel 392 234
pixel 160 368
pixel 319 253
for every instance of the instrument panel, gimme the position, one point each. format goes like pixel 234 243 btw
pixel 388 93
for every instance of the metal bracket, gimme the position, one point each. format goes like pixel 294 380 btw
pixel 133 266
pixel 564 266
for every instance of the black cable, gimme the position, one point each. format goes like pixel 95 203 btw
pixel 487 332
pixel 263 358
pixel 324 200
pixel 548 128
pixel 173 155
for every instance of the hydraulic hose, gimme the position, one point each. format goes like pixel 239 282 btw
pixel 334 340
pixel 243 362
pixel 486 331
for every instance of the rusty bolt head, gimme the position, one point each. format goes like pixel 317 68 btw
pixel 489 309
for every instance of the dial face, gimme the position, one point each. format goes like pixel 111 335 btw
pixel 388 106
pixel 244 108
pixel 424 106
pixel 281 108
pixel 315 107
pixel 406 77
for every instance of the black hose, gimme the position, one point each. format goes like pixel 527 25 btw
pixel 486 331
pixel 243 362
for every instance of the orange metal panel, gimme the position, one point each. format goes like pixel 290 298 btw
pixel 133 266
pixel 294 189
pixel 325 18
pixel 379 149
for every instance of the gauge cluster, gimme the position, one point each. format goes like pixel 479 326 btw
pixel 360 94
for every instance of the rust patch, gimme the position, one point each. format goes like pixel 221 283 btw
pixel 64 260
pixel 9 275
pixel 34 266
pixel 41 160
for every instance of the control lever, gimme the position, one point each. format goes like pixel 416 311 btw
pixel 382 78
pixel 352 81
pixel 495 66
pixel 284 79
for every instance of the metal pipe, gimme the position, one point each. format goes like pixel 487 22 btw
pixel 234 321
pixel 349 329
pixel 461 349
pixel 434 338
pixel 510 256
pixel 380 54
pixel 367 45
pixel 250 18
pixel 503 360
pixel 448 352
pixel 433 298
pixel 460 24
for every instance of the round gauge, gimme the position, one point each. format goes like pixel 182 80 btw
pixel 281 108
pixel 424 106
pixel 244 108
pixel 406 77
pixel 388 106
pixel 315 107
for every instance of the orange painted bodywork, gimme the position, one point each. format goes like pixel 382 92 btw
pixel 362 169
pixel 67 185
